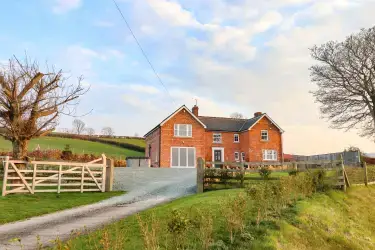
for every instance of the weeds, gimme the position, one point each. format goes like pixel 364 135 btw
pixel 149 232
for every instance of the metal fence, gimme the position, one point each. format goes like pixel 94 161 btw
pixel 350 157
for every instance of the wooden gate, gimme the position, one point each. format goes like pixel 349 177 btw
pixel 46 176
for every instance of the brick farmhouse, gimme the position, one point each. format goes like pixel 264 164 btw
pixel 184 136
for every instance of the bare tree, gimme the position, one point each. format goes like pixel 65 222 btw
pixel 345 76
pixel 31 102
pixel 78 126
pixel 237 115
pixel 90 131
pixel 108 131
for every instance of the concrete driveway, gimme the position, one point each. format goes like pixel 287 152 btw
pixel 146 188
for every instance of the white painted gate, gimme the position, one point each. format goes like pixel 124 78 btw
pixel 47 176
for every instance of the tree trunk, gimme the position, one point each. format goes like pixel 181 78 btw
pixel 20 149
pixel 19 153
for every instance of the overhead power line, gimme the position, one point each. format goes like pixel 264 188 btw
pixel 143 52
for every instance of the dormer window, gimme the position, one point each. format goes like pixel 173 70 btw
pixel 264 135
pixel 236 138
pixel 183 130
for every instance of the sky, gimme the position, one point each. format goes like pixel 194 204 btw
pixel 231 55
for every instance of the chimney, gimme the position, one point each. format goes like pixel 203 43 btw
pixel 195 110
pixel 257 114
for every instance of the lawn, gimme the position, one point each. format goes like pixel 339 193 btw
pixel 332 220
pixel 77 146
pixel 21 206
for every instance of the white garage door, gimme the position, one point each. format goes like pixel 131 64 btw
pixel 182 157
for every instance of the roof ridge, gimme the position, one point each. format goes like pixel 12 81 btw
pixel 220 117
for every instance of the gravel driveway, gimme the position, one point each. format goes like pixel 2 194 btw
pixel 147 187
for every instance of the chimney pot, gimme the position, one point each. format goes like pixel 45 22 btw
pixel 257 114
pixel 195 110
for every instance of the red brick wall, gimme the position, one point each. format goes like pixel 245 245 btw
pixel 227 143
pixel 257 145
pixel 250 141
pixel 154 140
pixel 168 139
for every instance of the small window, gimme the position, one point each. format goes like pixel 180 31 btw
pixel 183 130
pixel 217 138
pixel 243 156
pixel 236 138
pixel 264 135
pixel 270 155
pixel 236 156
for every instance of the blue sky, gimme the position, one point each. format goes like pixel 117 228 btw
pixel 232 55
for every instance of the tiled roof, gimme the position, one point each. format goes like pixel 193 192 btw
pixel 228 124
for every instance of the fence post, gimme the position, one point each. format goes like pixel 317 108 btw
pixel 5 175
pixel 242 174
pixel 200 175
pixel 366 177
pixel 58 180
pixel 82 177
pixel 109 175
pixel 345 178
pixel 104 172
pixel 34 177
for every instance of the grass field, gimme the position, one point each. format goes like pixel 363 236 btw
pixel 22 206
pixel 137 142
pixel 333 220
pixel 77 146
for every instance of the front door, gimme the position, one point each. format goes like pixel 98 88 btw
pixel 217 157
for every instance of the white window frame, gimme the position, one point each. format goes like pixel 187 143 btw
pixel 237 156
pixel 243 156
pixel 269 155
pixel 238 138
pixel 177 130
pixel 213 138
pixel 261 135
pixel 187 158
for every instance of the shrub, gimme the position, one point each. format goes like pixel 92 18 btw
pixel 67 153
pixel 293 172
pixel 234 211
pixel 177 226
pixel 265 172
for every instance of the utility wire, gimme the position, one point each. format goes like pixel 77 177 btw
pixel 143 52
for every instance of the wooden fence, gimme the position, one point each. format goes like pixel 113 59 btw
pixel 235 174
pixel 46 176
pixel 364 175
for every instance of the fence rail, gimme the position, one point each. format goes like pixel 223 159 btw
pixel 235 174
pixel 47 176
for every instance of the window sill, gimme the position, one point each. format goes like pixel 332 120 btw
pixel 264 140
pixel 236 142
pixel 217 142
pixel 182 136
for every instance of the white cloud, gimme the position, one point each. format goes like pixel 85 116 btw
pixel 62 6
pixel 268 20
pixel 173 13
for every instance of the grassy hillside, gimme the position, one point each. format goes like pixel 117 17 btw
pixel 333 220
pixel 77 146
pixel 137 142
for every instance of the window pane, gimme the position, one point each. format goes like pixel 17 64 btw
pixel 191 158
pixel 236 156
pixel 183 130
pixel 189 130
pixel 176 129
pixel 175 157
pixel 183 157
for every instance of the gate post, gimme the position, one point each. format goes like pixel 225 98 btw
pixel 109 175
pixel 5 175
pixel 365 169
pixel 200 175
